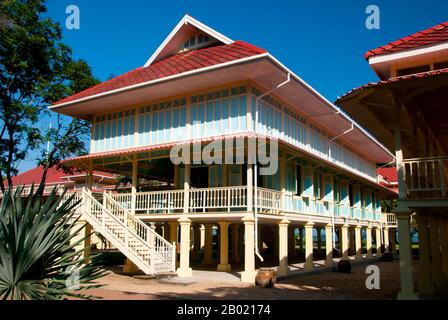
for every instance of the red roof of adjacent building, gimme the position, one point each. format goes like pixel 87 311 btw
pixel 176 64
pixel 431 36
pixel 55 175
pixel 389 174
pixel 420 75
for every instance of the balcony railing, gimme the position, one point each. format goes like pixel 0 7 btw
pixel 231 199
pixel 426 178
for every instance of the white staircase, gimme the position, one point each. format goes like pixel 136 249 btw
pixel 149 251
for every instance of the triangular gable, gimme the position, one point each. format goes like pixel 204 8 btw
pixel 187 27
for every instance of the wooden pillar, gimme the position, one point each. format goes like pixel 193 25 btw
pixel 344 241
pixel 358 243
pixel 235 242
pixel 329 245
pixel 425 284
pixel 224 265
pixel 184 270
pixel 308 266
pixel 248 275
pixel 369 241
pixel 436 261
pixel 208 244
pixel 283 268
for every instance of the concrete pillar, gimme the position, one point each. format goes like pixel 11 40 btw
pixel 248 275
pixel 308 266
pixel 196 242
pixel 386 240
pixel 443 225
pixel 358 243
pixel 184 270
pixel 224 265
pixel 291 241
pixel 378 241
pixel 208 245
pixel 406 278
pixel 173 236
pixel 301 238
pixel 369 241
pixel 329 245
pixel 319 239
pixel 202 236
pixel 425 284
pixel 235 242
pixel 436 261
pixel 344 241
pixel 283 268
pixel 352 250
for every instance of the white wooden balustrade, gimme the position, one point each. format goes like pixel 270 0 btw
pixel 136 240
pixel 426 178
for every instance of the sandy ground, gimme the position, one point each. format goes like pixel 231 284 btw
pixel 329 285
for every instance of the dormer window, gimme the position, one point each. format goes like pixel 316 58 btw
pixel 196 41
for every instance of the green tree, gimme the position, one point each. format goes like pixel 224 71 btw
pixel 36 70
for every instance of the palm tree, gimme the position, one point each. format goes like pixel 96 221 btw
pixel 38 259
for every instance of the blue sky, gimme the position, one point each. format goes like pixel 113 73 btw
pixel 321 41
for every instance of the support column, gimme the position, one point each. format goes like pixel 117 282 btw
pixel 235 241
pixel 352 250
pixel 378 241
pixel 319 239
pixel 406 278
pixel 283 268
pixel 425 284
pixel 248 275
pixel 308 266
pixel 292 241
pixel 386 240
pixel 196 242
pixel 436 261
pixel 134 183
pixel 208 244
pixel 444 246
pixel 369 241
pixel 329 245
pixel 184 270
pixel 358 243
pixel 344 241
pixel 202 236
pixel 173 235
pixel 224 265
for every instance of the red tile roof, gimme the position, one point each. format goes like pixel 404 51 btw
pixel 54 176
pixel 176 64
pixel 431 36
pixel 396 79
pixel 389 174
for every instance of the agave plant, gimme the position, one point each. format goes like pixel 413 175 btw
pixel 38 259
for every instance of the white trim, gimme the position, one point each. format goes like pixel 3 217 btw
pixel 381 58
pixel 188 20
pixel 151 82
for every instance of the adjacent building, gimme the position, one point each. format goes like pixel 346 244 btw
pixel 406 111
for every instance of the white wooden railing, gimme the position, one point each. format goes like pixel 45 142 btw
pixel 426 178
pixel 389 219
pixel 269 201
pixel 136 240
pixel 223 198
